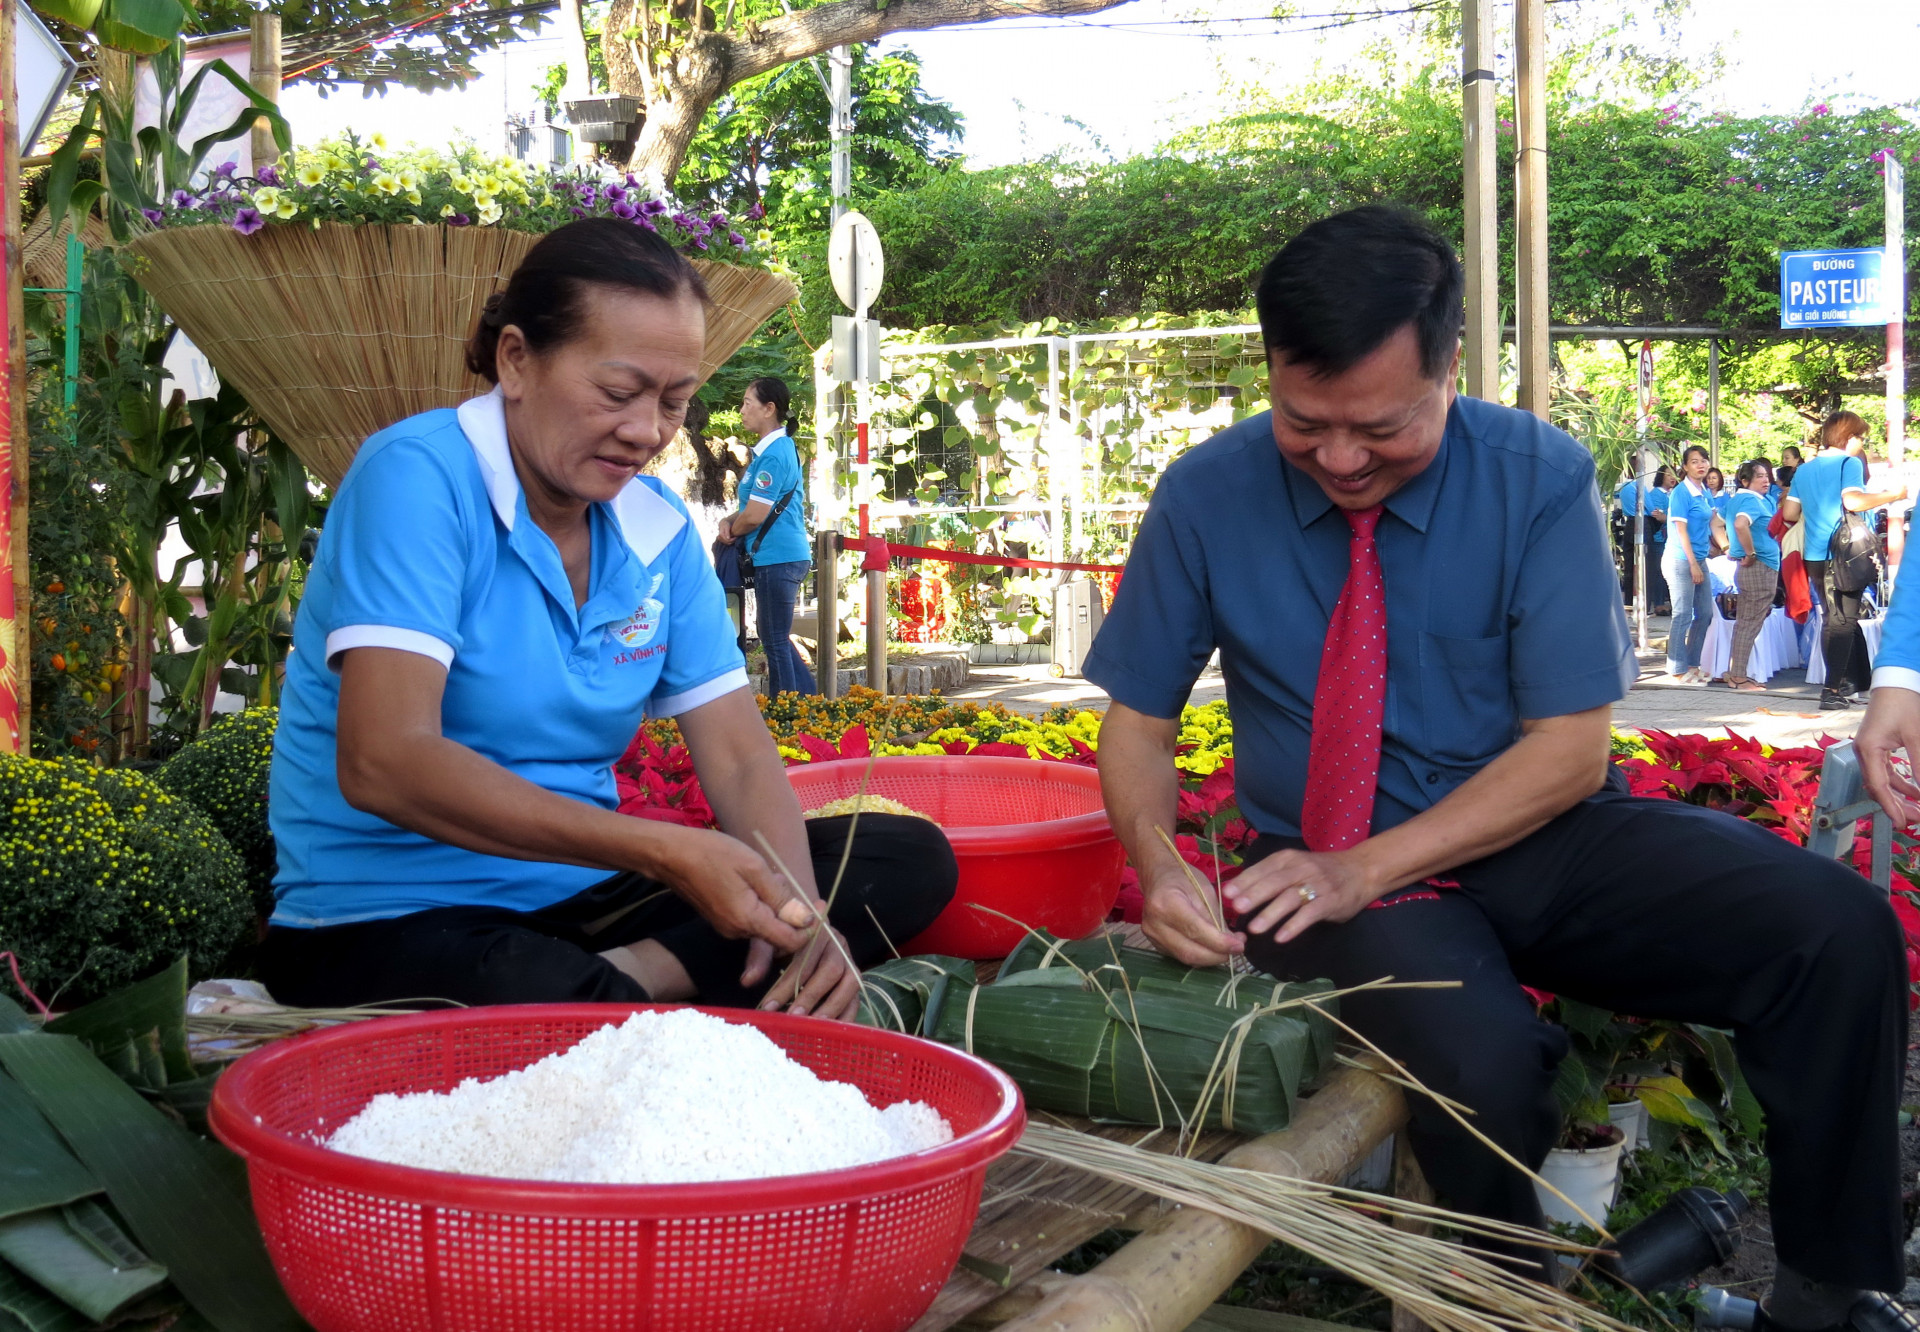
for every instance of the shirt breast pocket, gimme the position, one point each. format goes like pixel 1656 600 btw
pixel 1466 696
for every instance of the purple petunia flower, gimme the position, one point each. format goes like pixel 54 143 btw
pixel 248 220
pixel 459 220
pixel 625 209
pixel 653 208
pixel 699 242
pixel 266 175
pixel 739 241
pixel 153 215
pixel 717 221
pixel 181 198
pixel 589 195
pixel 615 194
pixel 755 213
pixel 578 212
pixel 645 221
pixel 633 182
pixel 226 169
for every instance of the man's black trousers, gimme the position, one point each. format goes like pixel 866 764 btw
pixel 1660 910
pixel 900 875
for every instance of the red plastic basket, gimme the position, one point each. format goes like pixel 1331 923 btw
pixel 363 1246
pixel 1032 839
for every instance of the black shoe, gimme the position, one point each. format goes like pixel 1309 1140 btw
pixel 1832 702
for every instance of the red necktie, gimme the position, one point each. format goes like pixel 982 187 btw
pixel 1349 702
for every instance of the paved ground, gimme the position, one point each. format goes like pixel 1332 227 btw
pixel 1788 714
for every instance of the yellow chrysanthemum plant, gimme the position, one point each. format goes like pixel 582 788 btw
pixel 365 182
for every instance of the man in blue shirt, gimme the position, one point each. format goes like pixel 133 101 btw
pixel 1422 639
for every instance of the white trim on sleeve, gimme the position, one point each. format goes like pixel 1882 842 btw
pixel 386 636
pixel 689 699
pixel 1896 677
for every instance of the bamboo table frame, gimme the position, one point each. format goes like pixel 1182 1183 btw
pixel 1179 1264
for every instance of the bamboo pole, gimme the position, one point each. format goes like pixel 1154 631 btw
pixel 1167 1276
pixel 263 72
pixel 16 599
pixel 1480 359
pixel 1530 204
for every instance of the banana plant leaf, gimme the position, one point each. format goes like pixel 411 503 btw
pixel 904 994
pixel 36 1169
pixel 184 1200
pixel 140 1031
pixel 14 1018
pixel 79 1254
pixel 26 1305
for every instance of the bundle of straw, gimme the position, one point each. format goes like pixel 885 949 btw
pixel 1446 1284
pixel 336 332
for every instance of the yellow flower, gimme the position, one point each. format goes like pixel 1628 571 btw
pixel 386 182
pixel 377 140
pixel 409 180
pixel 413 197
pixel 267 200
pixel 311 174
pixel 489 213
pixel 288 208
pixel 462 181
pixel 446 210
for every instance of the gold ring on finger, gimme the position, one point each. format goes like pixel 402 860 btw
pixel 1307 894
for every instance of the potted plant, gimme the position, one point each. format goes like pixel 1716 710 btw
pixel 337 288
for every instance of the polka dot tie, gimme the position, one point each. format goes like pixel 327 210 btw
pixel 1349 702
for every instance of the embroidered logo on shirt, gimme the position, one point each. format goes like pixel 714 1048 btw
pixel 764 481
pixel 639 631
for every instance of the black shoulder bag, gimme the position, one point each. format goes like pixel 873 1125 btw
pixel 733 561
pixel 1853 554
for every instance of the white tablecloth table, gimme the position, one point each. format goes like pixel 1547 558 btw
pixel 1778 648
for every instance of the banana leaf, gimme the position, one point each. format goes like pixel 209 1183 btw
pixel 901 994
pixel 14 1018
pixel 140 1031
pixel 81 1255
pixel 1147 1055
pixel 26 1305
pixel 36 1169
pixel 184 1199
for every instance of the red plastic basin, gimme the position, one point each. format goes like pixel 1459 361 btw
pixel 364 1246
pixel 1032 839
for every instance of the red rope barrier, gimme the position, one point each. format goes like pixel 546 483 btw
pixel 878 551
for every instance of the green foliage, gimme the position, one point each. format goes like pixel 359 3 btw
pixel 224 774
pixel 105 877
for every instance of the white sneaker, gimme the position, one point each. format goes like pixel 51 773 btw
pixel 1862 697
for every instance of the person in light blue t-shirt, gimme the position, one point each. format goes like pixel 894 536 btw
pixel 771 527
pixel 1749 510
pixel 498 600
pixel 1689 543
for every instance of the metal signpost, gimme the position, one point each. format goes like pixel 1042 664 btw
pixel 1642 479
pixel 856 266
pixel 1895 277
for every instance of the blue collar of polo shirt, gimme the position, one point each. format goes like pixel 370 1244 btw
pixel 647 521
pixel 1412 504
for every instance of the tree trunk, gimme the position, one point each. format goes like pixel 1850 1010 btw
pixel 703 65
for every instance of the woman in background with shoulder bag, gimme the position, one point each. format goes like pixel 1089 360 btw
pixel 771 529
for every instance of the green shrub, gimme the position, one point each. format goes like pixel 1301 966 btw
pixel 224 773
pixel 105 877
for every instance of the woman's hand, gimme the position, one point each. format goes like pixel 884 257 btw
pixel 1297 888
pixel 1748 561
pixel 1892 722
pixel 1699 575
pixel 726 537
pixel 817 980
pixel 735 890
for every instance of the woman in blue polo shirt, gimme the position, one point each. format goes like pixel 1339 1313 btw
pixel 1689 543
pixel 771 526
pixel 1748 513
pixel 498 600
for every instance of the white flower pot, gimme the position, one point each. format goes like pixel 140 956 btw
pixel 1587 1176
pixel 1630 1117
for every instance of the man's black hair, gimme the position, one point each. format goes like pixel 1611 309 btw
pixel 1346 284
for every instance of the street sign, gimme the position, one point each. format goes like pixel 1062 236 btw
pixel 854 262
pixel 42 71
pixel 1835 289
pixel 1643 386
pixel 856 350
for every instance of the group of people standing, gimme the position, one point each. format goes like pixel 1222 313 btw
pixel 1691 515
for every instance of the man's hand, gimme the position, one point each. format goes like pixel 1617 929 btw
pixel 1181 924
pixel 1892 722
pixel 817 981
pixel 1294 889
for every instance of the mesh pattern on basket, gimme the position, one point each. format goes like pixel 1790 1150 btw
pixel 960 793
pixel 337 332
pixel 354 1260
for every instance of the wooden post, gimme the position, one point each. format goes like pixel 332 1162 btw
pixel 826 584
pixel 1168 1275
pixel 16 592
pixel 263 72
pixel 1480 348
pixel 1530 204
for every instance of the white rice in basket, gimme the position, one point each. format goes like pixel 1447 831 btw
pixel 663 1098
